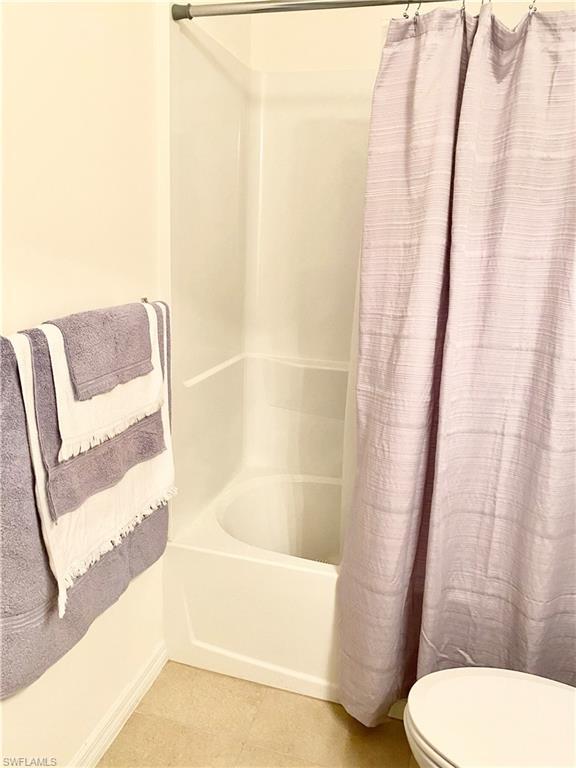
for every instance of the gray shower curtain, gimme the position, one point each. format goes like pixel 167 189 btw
pixel 461 545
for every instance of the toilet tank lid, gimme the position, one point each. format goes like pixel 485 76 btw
pixel 495 718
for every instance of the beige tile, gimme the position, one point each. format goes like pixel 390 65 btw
pixel 256 757
pixel 147 741
pixel 382 747
pixel 204 700
pixel 322 733
pixel 295 725
pixel 194 718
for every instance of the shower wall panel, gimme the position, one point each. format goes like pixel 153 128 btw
pixel 294 416
pixel 312 140
pixel 306 171
pixel 210 93
pixel 268 175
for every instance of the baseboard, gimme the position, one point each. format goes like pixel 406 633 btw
pixel 108 728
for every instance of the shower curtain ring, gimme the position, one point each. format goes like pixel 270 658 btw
pixel 417 11
pixel 406 14
pixel 532 8
pixel 463 9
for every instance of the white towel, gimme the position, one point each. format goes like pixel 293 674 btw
pixel 86 423
pixel 79 539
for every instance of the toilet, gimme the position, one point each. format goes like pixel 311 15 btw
pixel 491 718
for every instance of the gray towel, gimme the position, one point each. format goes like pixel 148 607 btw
pixel 71 482
pixel 105 347
pixel 33 637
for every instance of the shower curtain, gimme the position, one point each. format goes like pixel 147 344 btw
pixel 460 550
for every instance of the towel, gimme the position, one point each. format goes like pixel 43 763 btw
pixel 77 541
pixel 105 347
pixel 70 483
pixel 33 636
pixel 86 423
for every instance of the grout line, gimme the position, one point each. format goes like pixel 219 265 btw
pixel 191 726
pixel 239 755
pixel 257 709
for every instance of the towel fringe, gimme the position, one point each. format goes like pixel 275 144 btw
pixel 71 448
pixel 67 581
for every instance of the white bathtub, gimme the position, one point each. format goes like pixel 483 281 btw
pixel 250 585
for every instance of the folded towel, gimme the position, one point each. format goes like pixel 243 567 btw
pixel 70 483
pixel 33 636
pixel 76 541
pixel 86 423
pixel 105 347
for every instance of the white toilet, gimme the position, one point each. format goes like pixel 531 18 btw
pixel 491 718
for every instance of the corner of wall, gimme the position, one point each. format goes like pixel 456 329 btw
pixel 101 738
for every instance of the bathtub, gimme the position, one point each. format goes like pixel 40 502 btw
pixel 251 583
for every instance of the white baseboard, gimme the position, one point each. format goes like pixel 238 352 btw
pixel 109 727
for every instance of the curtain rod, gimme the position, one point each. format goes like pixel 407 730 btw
pixel 180 12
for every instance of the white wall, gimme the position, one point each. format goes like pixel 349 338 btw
pixel 85 207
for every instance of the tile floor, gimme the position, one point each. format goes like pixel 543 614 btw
pixel 197 719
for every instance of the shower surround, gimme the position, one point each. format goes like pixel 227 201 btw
pixel 267 195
